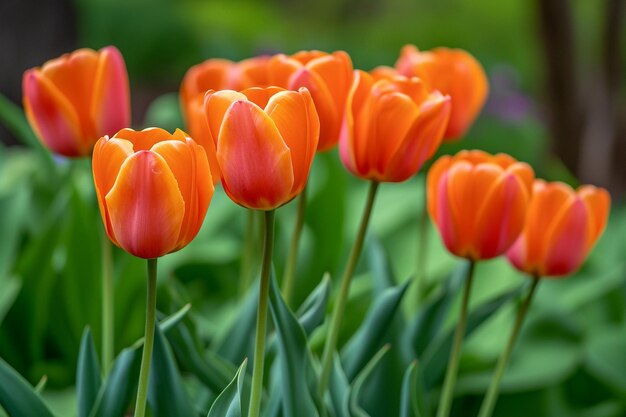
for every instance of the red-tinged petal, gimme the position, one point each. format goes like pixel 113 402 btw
pixel 295 117
pixel 501 218
pixel 199 130
pixel 598 201
pixel 517 254
pixel 443 214
pixel 215 106
pixel 52 116
pixel 107 159
pixel 110 104
pixel 255 161
pixel 146 206
pixel 144 140
pixel 189 165
pixel 421 141
pixel 327 108
pixel 463 184
pixel 433 179
pixel 567 239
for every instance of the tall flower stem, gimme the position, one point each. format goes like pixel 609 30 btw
pixel 447 394
pixel 422 249
pixel 494 388
pixel 261 319
pixel 249 247
pixel 108 299
pixel 292 259
pixel 148 344
pixel 342 299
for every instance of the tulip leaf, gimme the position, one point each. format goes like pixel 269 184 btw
pixel 409 393
pixel 88 379
pixel 238 344
pixel 435 357
pixel 17 397
pixel 371 335
pixel 119 387
pixel 359 381
pixel 166 394
pixel 605 357
pixel 297 377
pixel 233 401
pixel 313 310
pixel 339 389
pixel 378 262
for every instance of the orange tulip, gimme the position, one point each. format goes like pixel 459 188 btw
pixel 75 99
pixel 153 188
pixel 391 127
pixel 216 74
pixel 266 139
pixel 327 77
pixel 453 72
pixel 479 202
pixel 561 228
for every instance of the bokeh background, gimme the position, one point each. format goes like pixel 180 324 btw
pixel 557 72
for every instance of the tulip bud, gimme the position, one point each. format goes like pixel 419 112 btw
pixel 265 140
pixel 75 99
pixel 327 77
pixel 479 202
pixel 391 127
pixel 153 188
pixel 561 228
pixel 453 72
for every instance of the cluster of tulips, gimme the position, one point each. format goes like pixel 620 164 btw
pixel 256 125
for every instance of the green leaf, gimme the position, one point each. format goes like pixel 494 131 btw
pixel 10 289
pixel 312 311
pixel 297 380
pixel 371 335
pixel 435 358
pixel 166 394
pixel 378 261
pixel 339 389
pixel 233 401
pixel 237 344
pixel 359 381
pixel 605 357
pixel 409 395
pixel 119 387
pixel 88 379
pixel 17 397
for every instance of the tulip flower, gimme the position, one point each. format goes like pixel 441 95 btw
pixel 328 78
pixel 561 228
pixel 392 126
pixel 153 189
pixel 453 72
pixel 265 139
pixel 75 99
pixel 478 202
pixel 216 74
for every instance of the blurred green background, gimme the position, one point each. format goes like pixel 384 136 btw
pixel 557 101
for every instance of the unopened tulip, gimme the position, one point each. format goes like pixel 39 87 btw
pixel 454 72
pixel 216 74
pixel 561 228
pixel 153 188
pixel 265 139
pixel 479 202
pixel 391 127
pixel 73 100
pixel 328 78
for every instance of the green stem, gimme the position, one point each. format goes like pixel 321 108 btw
pixel 422 249
pixel 261 320
pixel 108 288
pixel 445 403
pixel 494 388
pixel 247 259
pixel 342 299
pixel 292 259
pixel 146 357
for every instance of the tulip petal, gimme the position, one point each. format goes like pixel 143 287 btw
pixel 280 69
pixel 146 206
pixel 432 183
pixel 144 140
pixel 567 239
pixel 261 96
pixel 421 141
pixel 110 103
pixel 251 72
pixel 295 117
pixel 215 106
pixel 189 165
pixel 598 202
pixel 51 115
pixel 199 129
pixel 255 161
